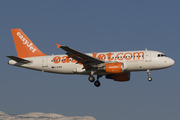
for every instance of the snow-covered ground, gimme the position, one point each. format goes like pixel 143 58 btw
pixel 41 116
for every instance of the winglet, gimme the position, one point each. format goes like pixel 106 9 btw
pixel 58 46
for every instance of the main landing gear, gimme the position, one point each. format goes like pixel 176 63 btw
pixel 149 78
pixel 92 79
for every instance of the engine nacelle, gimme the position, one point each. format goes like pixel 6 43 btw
pixel 114 67
pixel 121 77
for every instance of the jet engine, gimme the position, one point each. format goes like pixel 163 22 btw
pixel 114 67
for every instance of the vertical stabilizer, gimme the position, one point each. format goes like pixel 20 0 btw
pixel 24 46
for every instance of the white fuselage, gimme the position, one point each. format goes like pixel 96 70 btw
pixel 114 65
pixel 133 61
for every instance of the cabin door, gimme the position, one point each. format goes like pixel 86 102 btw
pixel 45 62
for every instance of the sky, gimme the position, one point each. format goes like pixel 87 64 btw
pixel 92 26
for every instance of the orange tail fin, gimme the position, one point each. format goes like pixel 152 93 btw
pixel 24 46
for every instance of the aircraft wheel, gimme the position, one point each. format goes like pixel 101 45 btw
pixel 149 79
pixel 91 78
pixel 97 83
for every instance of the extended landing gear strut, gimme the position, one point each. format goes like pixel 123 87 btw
pixel 149 78
pixel 92 79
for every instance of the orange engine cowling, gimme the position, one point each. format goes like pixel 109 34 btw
pixel 114 67
pixel 121 77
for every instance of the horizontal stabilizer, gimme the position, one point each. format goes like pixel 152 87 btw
pixel 18 59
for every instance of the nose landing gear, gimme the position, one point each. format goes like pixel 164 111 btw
pixel 149 78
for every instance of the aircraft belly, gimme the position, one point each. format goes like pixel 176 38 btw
pixel 144 65
pixel 138 66
pixel 132 66
pixel 66 68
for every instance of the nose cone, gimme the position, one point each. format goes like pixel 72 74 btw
pixel 171 62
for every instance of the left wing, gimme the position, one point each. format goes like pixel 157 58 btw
pixel 80 57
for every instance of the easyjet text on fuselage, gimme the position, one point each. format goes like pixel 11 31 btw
pixel 105 56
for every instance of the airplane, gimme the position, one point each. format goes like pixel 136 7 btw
pixel 112 65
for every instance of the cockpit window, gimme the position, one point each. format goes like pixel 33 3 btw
pixel 161 55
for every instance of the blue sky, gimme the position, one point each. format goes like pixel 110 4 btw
pixel 92 26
